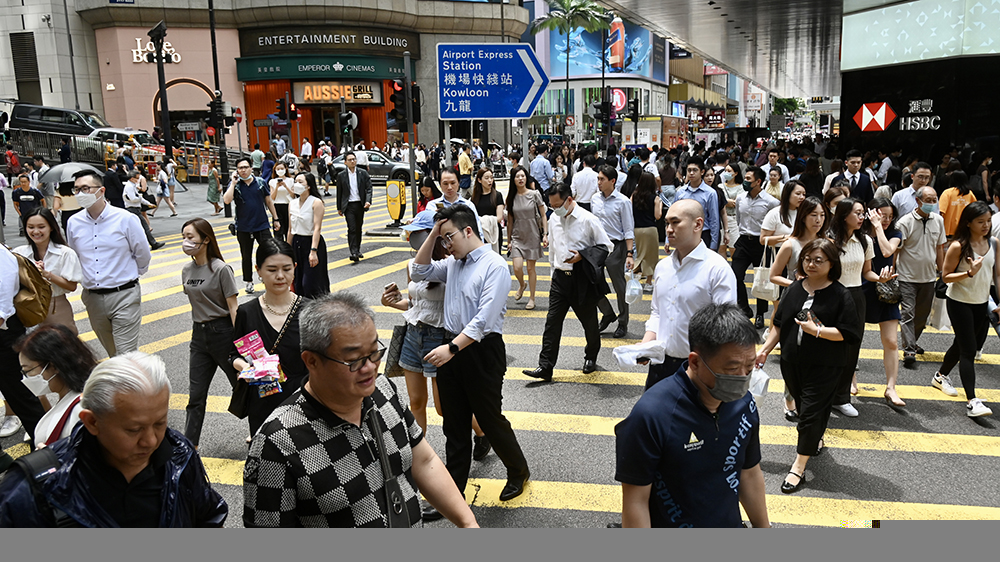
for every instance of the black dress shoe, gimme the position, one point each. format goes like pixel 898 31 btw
pixel 361 256
pixel 354 258
pixel 615 525
pixel 605 322
pixel 919 350
pixel 539 373
pixel 157 246
pixel 620 332
pixel 589 366
pixel 481 447
pixel 759 322
pixel 787 488
pixel 514 488
pixel 428 513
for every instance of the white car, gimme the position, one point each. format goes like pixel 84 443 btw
pixel 143 144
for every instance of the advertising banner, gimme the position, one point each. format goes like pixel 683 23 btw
pixel 630 50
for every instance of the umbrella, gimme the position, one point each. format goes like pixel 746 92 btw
pixel 457 141
pixel 61 173
pixel 495 144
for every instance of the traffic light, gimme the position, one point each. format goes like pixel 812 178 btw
pixel 633 110
pixel 415 111
pixel 399 101
pixel 226 113
pixel 345 122
pixel 280 112
pixel 293 113
pixel 213 114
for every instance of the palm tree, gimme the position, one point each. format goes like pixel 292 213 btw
pixel 564 16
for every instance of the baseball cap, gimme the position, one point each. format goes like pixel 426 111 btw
pixel 419 227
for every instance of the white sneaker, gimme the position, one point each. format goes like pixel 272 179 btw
pixel 943 383
pixel 11 425
pixel 977 408
pixel 847 409
pixel 979 355
pixel 250 289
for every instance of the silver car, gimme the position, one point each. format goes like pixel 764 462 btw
pixel 381 167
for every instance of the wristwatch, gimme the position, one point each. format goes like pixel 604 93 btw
pixel 629 253
pixel 314 249
pixel 453 348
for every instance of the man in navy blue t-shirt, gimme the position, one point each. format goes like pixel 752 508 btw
pixel 253 199
pixel 689 452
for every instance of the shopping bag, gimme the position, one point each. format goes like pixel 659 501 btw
pixel 938 318
pixel 762 287
pixel 758 382
pixel 633 289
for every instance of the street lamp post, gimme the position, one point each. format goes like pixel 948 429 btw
pixel 157 34
pixel 220 134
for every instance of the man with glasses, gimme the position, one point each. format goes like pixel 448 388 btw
pixel 113 252
pixel 472 364
pixel 919 263
pixel 252 196
pixel 318 460
pixel 905 200
pixel 354 198
pixel 688 455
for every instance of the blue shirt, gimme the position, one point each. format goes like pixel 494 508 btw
pixel 475 293
pixel 615 214
pixel 691 457
pixel 251 215
pixel 710 204
pixel 541 170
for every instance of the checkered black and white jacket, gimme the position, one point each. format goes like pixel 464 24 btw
pixel 307 467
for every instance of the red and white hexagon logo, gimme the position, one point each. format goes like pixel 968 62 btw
pixel 874 116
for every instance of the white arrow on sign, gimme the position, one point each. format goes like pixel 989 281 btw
pixel 534 76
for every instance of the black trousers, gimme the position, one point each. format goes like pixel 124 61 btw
pixel 22 401
pixel 137 211
pixel 971 323
pixel 472 384
pixel 355 216
pixel 246 249
pixel 813 387
pixel 309 281
pixel 615 266
pixel 746 252
pixel 659 372
pixel 210 345
pixel 843 395
pixel 65 215
pixel 282 210
pixel 569 290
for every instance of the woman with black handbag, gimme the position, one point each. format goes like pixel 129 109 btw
pixel 275 317
pixel 882 299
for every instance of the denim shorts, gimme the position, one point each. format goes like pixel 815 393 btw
pixel 419 341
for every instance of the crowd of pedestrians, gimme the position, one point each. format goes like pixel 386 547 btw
pixel 845 242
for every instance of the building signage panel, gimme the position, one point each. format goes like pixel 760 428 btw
pixel 488 80
pixel 329 92
pixel 315 39
pixel 318 67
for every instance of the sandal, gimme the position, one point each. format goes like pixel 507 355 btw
pixel 788 488
pixel 530 305
pixel 520 293
pixel 820 447
pixel 897 403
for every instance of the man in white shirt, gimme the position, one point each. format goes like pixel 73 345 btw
pixel 862 182
pixel 450 196
pixel 689 279
pixel 279 145
pixel 307 150
pixel 772 161
pixel 133 204
pixel 584 183
pixel 885 164
pixel 751 208
pixel 361 155
pixel 354 198
pixel 113 253
pixel 577 251
pixel 48 189
pixel 614 210
pixel 905 199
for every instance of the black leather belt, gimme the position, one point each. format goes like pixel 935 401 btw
pixel 124 287
pixel 564 272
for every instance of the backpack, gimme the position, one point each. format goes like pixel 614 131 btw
pixel 13 163
pixel 33 298
pixel 38 466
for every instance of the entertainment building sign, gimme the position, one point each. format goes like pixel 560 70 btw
pixel 318 39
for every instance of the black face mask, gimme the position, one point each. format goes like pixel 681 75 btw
pixel 747 186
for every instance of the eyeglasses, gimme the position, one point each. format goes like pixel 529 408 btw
pixel 446 239
pixel 243 167
pixel 356 365
pixel 811 261
pixel 25 373
pixel 86 188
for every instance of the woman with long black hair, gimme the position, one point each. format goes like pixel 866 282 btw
pixel 56 261
pixel 881 227
pixel 527 230
pixel 305 217
pixel 970 266
pixel 647 208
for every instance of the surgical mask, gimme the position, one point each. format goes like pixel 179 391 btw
pixel 190 247
pixel 281 172
pixel 37 384
pixel 560 211
pixel 726 176
pixel 728 388
pixel 86 200
pixel 298 188
pixel 747 186
pixel 929 208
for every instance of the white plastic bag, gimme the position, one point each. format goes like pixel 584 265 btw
pixel 939 319
pixel 629 355
pixel 762 287
pixel 758 382
pixel 633 289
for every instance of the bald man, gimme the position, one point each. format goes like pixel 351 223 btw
pixel 690 278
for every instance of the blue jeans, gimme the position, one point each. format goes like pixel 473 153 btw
pixel 419 341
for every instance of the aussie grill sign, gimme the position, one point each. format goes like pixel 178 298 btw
pixel 332 91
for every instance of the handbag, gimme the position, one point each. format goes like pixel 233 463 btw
pixel 397 517
pixel 940 287
pixel 32 300
pixel 392 368
pixel 889 292
pixel 239 404
pixel 538 221
pixel 762 287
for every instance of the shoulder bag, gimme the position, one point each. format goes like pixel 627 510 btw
pixel 762 287
pixel 392 368
pixel 35 294
pixel 396 514
pixel 239 404
pixel 538 218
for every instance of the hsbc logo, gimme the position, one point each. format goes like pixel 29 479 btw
pixel 874 116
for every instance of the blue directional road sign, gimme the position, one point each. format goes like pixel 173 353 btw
pixel 488 80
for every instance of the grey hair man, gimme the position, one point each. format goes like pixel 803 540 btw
pixel 918 264
pixel 122 467
pixel 310 464
pixel 704 407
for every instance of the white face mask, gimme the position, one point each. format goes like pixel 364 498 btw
pixel 281 172
pixel 86 200
pixel 560 211
pixel 37 384
pixel 298 188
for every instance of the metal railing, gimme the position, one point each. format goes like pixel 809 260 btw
pixel 39 143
